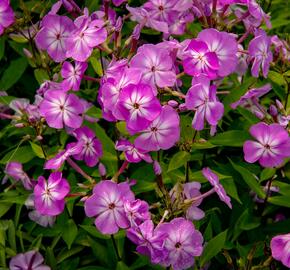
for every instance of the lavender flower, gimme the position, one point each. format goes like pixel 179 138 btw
pixel 6 15
pixel 280 247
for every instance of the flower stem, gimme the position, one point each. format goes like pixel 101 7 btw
pixel 79 170
pixel 89 78
pixel 116 248
pixel 200 197
pixel 120 171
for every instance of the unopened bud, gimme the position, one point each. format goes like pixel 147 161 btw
pixel 157 168
pixel 279 105
pixel 102 169
pixel 19 125
pixel 39 138
pixel 273 110
pixel 259 114
pixel 182 107
pixel 172 103
pixel 27 53
pixel 136 32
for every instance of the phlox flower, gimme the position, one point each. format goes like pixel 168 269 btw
pixel 260 53
pixel 61 109
pixel 225 46
pixel 91 147
pixel 53 36
pixel 49 194
pixel 6 15
pixel 132 153
pixel 199 60
pixel 162 133
pixel 137 211
pixel 202 98
pixel 31 260
pixel 280 247
pixel 138 106
pixel 271 147
pixel 149 241
pixel 107 205
pixel 155 65
pixel 72 75
pixel 214 181
pixel 87 35
pixel 183 243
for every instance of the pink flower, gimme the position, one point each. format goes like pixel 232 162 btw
pixel 72 75
pixel 87 35
pixel 149 241
pixel 59 109
pixel 118 2
pixel 31 260
pixel 138 106
pixel 91 147
pixel 280 247
pixel 202 97
pixel 259 50
pixel 272 145
pixel 199 60
pixel 53 36
pixel 6 15
pixel 214 180
pixel 162 133
pixel 15 170
pixel 56 162
pixel 107 205
pixel 49 195
pixel 225 46
pixel 183 243
pixel 137 211
pixel 155 65
pixel 132 154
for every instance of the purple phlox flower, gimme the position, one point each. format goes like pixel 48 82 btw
pixel 283 120
pixel 157 168
pixel 49 195
pixel 87 35
pixel 107 206
pixel 214 181
pixel 61 109
pixel 71 149
pixel 19 105
pixel 53 36
pixel 138 106
pixel 91 147
pixel 225 46
pixel 142 16
pixel 155 64
pixel 111 88
pixel 149 241
pixel 260 53
pixel 162 133
pixel 202 98
pixel 72 75
pixel 137 211
pixel 281 47
pixel 258 14
pixel 183 243
pixel 271 147
pixel 34 215
pixel 15 170
pixel 132 153
pixel 31 260
pixel 280 247
pixel 252 95
pixel 192 190
pixel 49 85
pixel 118 2
pixel 6 15
pixel 199 60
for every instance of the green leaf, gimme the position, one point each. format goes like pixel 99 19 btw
pixel 13 73
pixel 276 77
pixel 249 179
pixel 69 232
pixel 41 75
pixel 234 138
pixel 213 247
pixel 2 47
pixel 94 232
pixel 267 173
pixel 247 221
pixel 280 200
pixel 6 100
pixel 178 160
pixel 11 236
pixel 202 145
pixel 37 150
pixel 21 154
pixel 96 64
pixel 122 266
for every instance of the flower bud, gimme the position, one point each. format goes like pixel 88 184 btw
pixel 182 107
pixel 259 114
pixel 102 169
pixel 27 53
pixel 273 110
pixel 279 105
pixel 19 125
pixel 172 103
pixel 157 168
